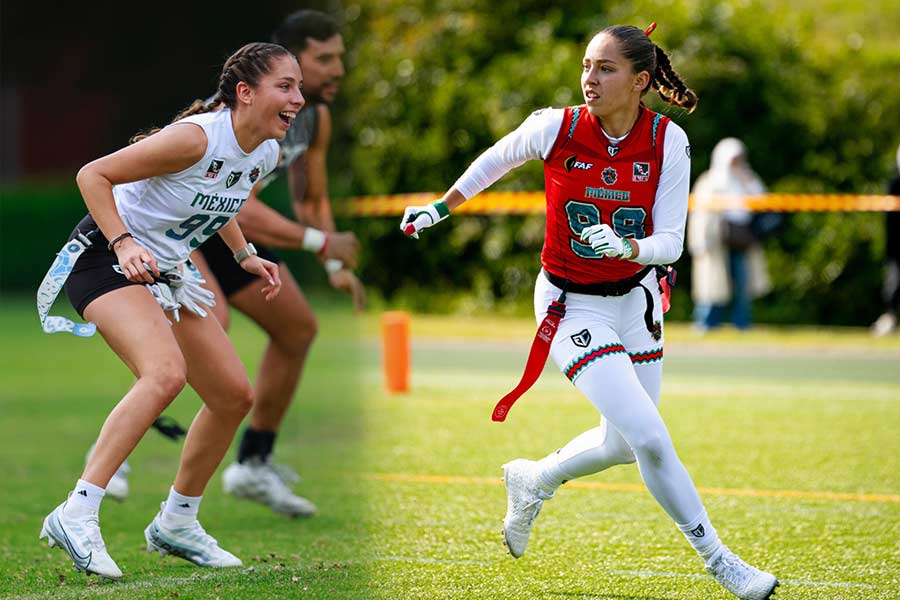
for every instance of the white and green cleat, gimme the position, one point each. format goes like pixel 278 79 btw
pixel 190 542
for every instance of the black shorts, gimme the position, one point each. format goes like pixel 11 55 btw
pixel 231 277
pixel 93 274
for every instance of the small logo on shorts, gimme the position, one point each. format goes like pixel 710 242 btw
pixel 698 531
pixel 656 332
pixel 214 167
pixel 118 269
pixel 582 338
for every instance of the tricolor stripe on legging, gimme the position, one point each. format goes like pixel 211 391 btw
pixel 579 364
pixel 648 356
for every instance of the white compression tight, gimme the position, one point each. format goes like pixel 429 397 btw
pixel 631 429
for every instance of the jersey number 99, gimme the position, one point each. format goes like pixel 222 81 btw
pixel 627 222
pixel 193 223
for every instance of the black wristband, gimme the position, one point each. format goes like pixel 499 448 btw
pixel 118 239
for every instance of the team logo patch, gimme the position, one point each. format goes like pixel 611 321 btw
pixel 687 150
pixel 640 171
pixel 254 174
pixel 214 167
pixel 572 162
pixel 698 531
pixel 613 150
pixel 582 338
pixel 233 178
pixel 609 176
pixel 656 334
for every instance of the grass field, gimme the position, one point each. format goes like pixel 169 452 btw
pixel 792 436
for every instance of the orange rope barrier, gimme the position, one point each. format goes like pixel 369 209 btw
pixel 530 203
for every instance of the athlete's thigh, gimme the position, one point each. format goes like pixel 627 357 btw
pixel 214 369
pixel 288 314
pixel 642 331
pixel 587 333
pixel 220 310
pixel 136 329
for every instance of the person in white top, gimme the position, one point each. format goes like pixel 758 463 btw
pixel 728 264
pixel 150 205
pixel 616 205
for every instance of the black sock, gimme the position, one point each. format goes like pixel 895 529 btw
pixel 256 444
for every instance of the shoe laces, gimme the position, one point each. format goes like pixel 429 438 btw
pixel 197 529
pixel 732 569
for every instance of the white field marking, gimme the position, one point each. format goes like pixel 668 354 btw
pixel 804 582
pixel 634 487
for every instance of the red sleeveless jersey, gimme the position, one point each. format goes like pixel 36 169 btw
pixel 588 181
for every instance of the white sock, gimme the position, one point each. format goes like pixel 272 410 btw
pixel 180 509
pixel 86 496
pixel 701 534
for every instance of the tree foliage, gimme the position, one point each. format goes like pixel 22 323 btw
pixel 432 84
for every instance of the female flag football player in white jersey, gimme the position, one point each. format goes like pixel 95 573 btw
pixel 616 177
pixel 150 205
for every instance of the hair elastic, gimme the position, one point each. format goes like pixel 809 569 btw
pixel 650 29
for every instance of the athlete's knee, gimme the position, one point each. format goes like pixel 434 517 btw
pixel 296 339
pixel 167 379
pixel 652 445
pixel 238 401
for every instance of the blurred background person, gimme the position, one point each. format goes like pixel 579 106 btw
pixel 890 292
pixel 728 269
pixel 315 39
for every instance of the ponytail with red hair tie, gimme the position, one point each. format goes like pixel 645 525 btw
pixel 650 29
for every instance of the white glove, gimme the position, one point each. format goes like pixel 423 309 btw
pixel 605 242
pixel 187 290
pixel 164 297
pixel 417 218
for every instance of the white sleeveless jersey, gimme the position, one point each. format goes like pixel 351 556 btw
pixel 173 214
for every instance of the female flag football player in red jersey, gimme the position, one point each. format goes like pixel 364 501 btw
pixel 616 182
pixel 150 205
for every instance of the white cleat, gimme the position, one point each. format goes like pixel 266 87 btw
pixel 80 537
pixel 524 501
pixel 267 484
pixel 739 578
pixel 117 488
pixel 190 542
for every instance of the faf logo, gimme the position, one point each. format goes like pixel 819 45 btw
pixel 572 162
pixel 254 174
pixel 214 167
pixel 640 171
pixel 609 176
pixel 233 178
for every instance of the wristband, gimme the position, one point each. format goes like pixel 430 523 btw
pixel 118 239
pixel 314 240
pixel 244 253
pixel 333 265
pixel 627 249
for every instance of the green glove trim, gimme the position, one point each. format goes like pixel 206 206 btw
pixel 441 207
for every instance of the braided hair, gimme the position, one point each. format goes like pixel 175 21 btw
pixel 644 55
pixel 249 64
